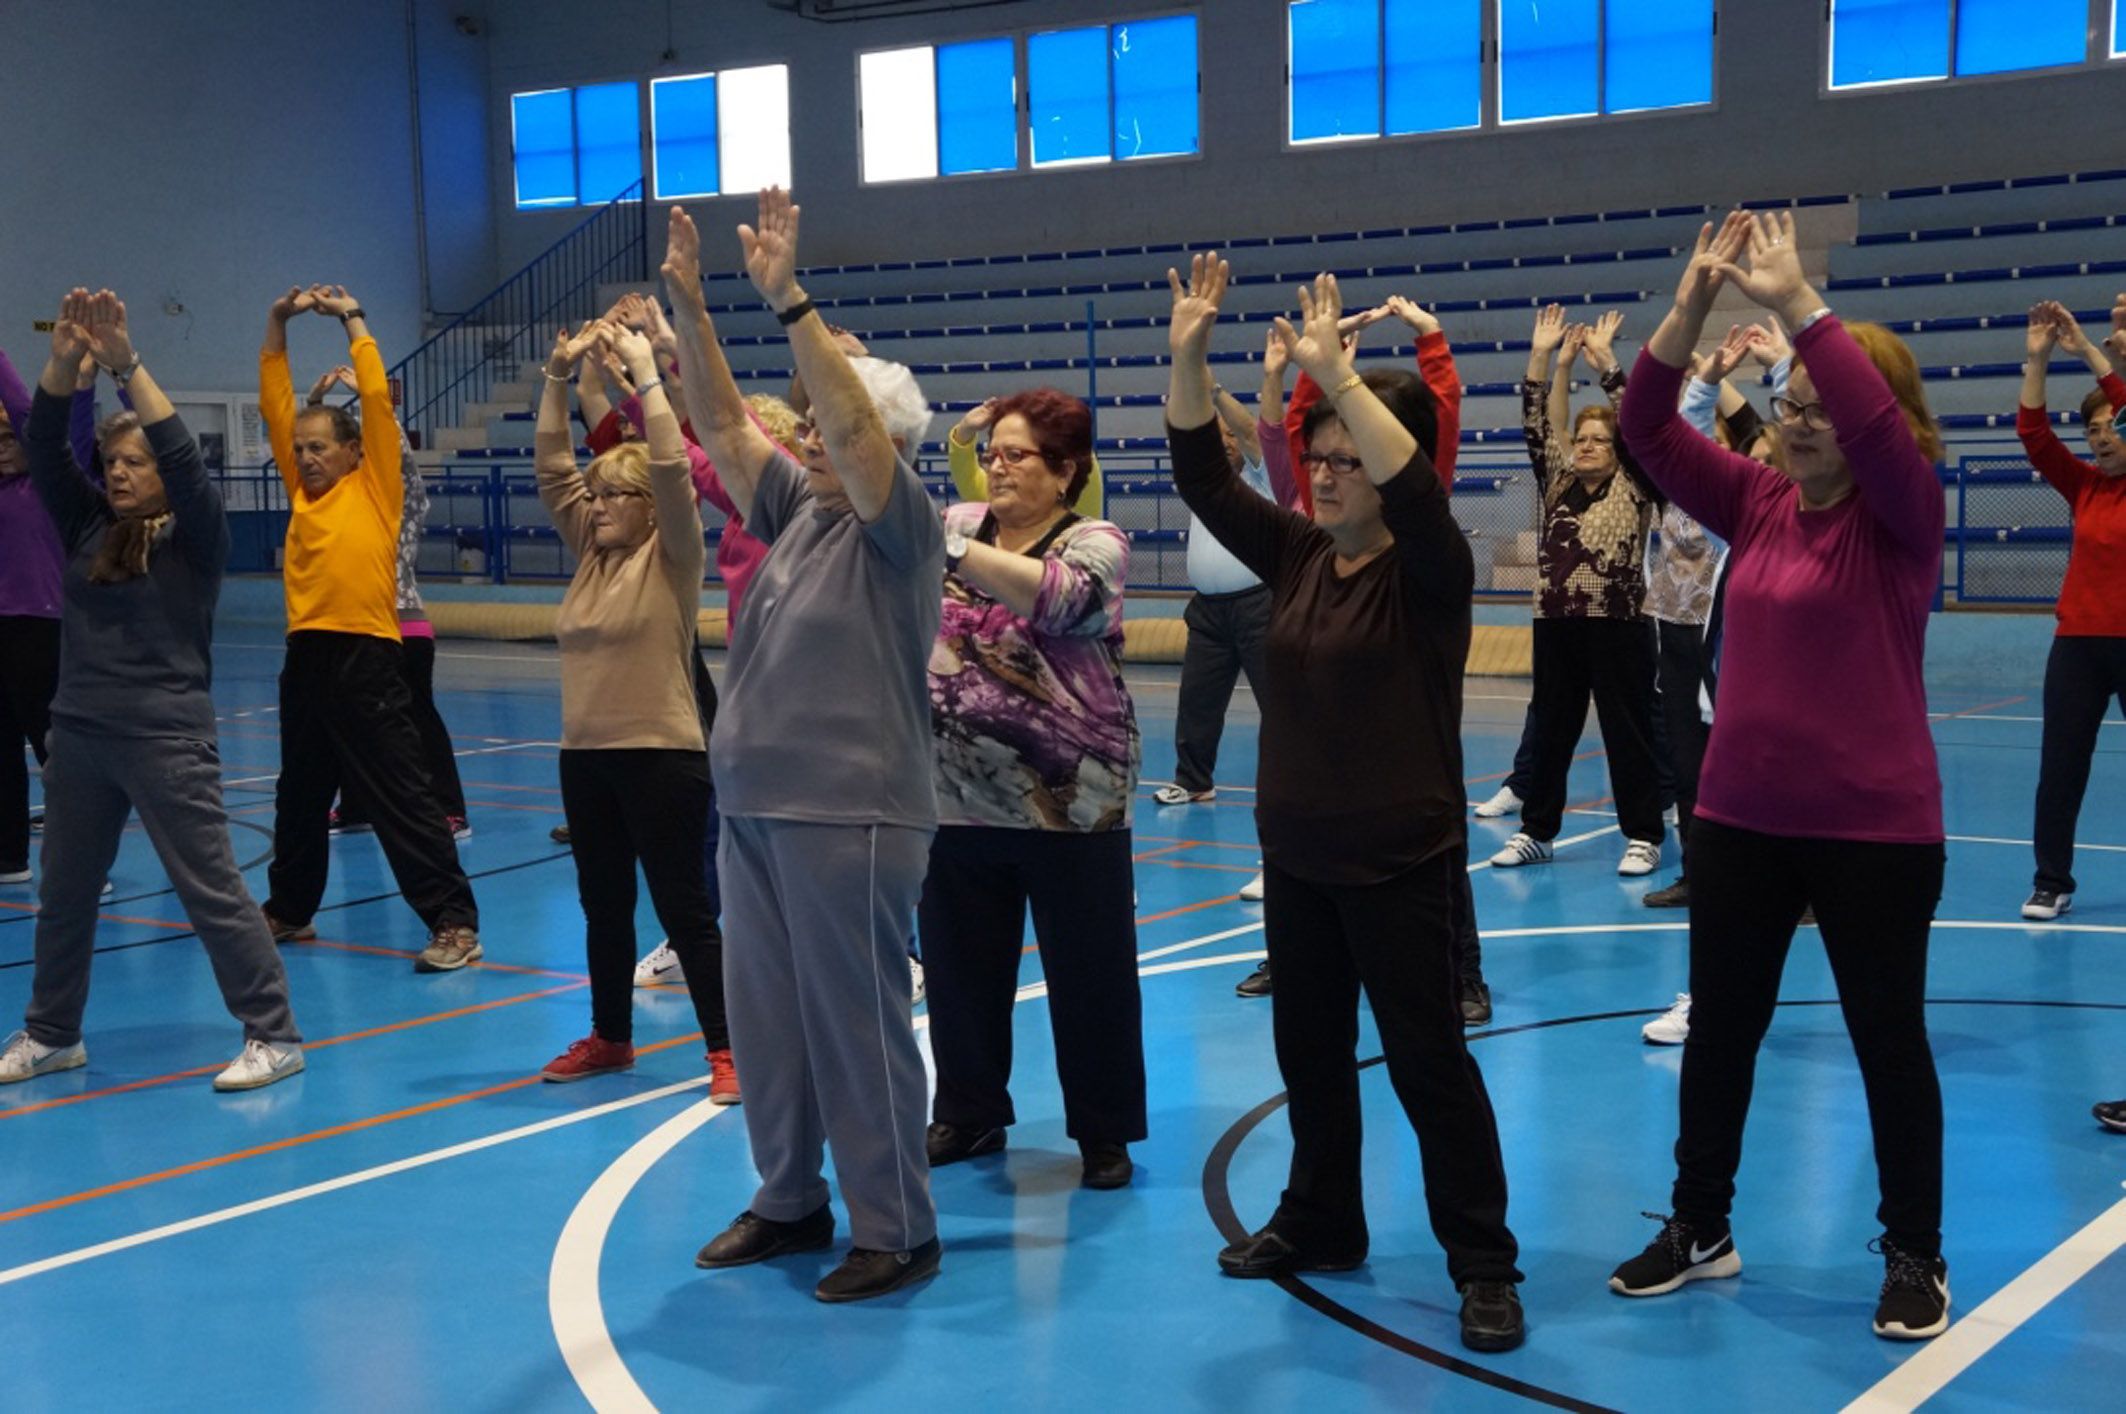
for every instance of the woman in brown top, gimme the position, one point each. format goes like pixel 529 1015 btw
pixel 634 761
pixel 1359 799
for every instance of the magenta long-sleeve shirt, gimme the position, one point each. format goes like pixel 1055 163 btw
pixel 1821 726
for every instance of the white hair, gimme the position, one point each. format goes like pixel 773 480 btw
pixel 899 400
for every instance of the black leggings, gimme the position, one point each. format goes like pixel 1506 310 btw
pixel 1875 906
pixel 2082 676
pixel 29 675
pixel 1611 660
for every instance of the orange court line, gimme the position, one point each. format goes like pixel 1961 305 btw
pixel 1191 864
pixel 297 1140
pixel 1198 844
pixel 1189 908
pixel 1154 854
pixel 1981 707
pixel 110 917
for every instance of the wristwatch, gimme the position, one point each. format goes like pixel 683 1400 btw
pixel 955 548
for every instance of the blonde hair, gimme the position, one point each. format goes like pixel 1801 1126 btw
pixel 777 418
pixel 625 468
pixel 1893 360
pixel 1599 412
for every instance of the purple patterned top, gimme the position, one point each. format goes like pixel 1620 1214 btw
pixel 1035 728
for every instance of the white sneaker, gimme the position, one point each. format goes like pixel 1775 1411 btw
pixel 916 988
pixel 1502 804
pixel 262 1063
pixel 108 889
pixel 1671 1027
pixel 2042 906
pixel 15 876
pixel 1252 890
pixel 1522 850
pixel 24 1056
pixel 660 966
pixel 1182 795
pixel 1640 857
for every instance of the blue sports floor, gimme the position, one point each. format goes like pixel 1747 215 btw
pixel 417 1223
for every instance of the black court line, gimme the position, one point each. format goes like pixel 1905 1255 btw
pixel 243 868
pixel 1218 1202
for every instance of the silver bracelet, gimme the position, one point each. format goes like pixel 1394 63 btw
pixel 553 377
pixel 1822 312
pixel 645 386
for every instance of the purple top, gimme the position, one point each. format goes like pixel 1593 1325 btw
pixel 31 559
pixel 1035 727
pixel 1822 728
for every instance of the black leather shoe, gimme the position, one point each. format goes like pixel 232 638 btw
pixel 1268 1253
pixel 1106 1165
pixel 864 1273
pixel 1476 1002
pixel 559 834
pixel 950 1143
pixel 1491 1316
pixel 752 1238
pixel 1676 895
pixel 1256 983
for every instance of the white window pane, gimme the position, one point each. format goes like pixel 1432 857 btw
pixel 753 115
pixel 900 114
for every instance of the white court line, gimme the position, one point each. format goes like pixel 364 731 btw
pixel 333 1185
pixel 469 751
pixel 1955 1350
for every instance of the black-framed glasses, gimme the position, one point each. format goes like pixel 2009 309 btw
pixel 1338 462
pixel 1809 415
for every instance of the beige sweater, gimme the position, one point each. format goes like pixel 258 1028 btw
pixel 626 627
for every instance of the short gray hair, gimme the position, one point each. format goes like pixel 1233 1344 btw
pixel 899 400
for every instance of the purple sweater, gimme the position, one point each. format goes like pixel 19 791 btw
pixel 1822 727
pixel 30 555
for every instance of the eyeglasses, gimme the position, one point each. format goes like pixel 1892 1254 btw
pixel 1336 462
pixel 1014 456
pixel 803 431
pixel 614 493
pixel 1809 415
pixel 1594 441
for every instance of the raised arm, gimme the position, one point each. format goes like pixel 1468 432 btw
pixel 1537 418
pixel 2067 473
pixel 715 407
pixel 276 385
pixel 380 425
pixel 2103 365
pixel 1435 364
pixel 591 400
pixel 1238 421
pixel 671 484
pixel 965 462
pixel 67 495
pixel 561 488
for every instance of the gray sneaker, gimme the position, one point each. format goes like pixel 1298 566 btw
pixel 449 950
pixel 23 1058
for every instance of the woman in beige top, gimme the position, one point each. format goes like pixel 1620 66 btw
pixel 634 758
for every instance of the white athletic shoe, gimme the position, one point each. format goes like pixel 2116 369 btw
pixel 1252 889
pixel 1641 857
pixel 917 989
pixel 1182 795
pixel 1503 804
pixel 1522 850
pixel 660 966
pixel 1671 1027
pixel 15 876
pixel 23 1057
pixel 261 1064
pixel 2042 906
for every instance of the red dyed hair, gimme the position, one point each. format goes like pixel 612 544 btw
pixel 1062 427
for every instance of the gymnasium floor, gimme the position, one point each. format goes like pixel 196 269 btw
pixel 418 1223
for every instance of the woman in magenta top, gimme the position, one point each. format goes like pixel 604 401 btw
pixel 1820 784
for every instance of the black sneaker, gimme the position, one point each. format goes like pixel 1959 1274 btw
pixel 2111 1114
pixel 1269 1253
pixel 865 1273
pixel 1476 1002
pixel 1915 1294
pixel 950 1143
pixel 1491 1316
pixel 1106 1165
pixel 1676 895
pixel 1256 983
pixel 752 1238
pixel 1680 1253
pixel 2044 905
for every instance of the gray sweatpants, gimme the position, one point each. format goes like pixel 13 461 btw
pixel 91 783
pixel 815 968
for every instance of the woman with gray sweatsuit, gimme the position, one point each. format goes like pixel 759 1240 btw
pixel 133 724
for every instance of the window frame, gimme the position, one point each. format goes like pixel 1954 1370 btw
pixel 2098 37
pixel 575 176
pixel 649 131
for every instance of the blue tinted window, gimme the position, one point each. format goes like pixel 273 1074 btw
pixel 1876 41
pixel 1435 69
pixel 683 131
pixel 1155 86
pixel 608 140
pixel 1335 68
pixel 978 107
pixel 2118 27
pixel 1066 82
pixel 544 134
pixel 1547 63
pixel 1657 54
pixel 1995 36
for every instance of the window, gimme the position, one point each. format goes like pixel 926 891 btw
pixel 1335 73
pixel 2118 28
pixel 946 110
pixel 1578 58
pixel 1658 55
pixel 608 141
pixel 575 145
pixel 1547 59
pixel 543 140
pixel 753 116
pixel 1112 92
pixel 683 125
pixel 1434 80
pixel 1910 41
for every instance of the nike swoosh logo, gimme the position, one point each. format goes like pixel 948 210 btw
pixel 1698 1254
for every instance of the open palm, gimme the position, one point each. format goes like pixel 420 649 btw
pixel 1316 344
pixel 682 260
pixel 1188 332
pixel 771 247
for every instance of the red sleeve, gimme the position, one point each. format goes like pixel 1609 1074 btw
pixel 2067 473
pixel 606 435
pixel 1305 393
pixel 1435 364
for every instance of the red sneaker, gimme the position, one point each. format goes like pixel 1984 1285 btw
pixel 593 1055
pixel 723 1078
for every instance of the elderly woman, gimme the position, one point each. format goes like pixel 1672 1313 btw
pixel 1037 756
pixel 31 560
pixel 1808 796
pixel 1359 800
pixel 634 757
pixel 133 724
pixel 824 764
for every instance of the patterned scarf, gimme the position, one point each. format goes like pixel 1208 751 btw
pixel 124 552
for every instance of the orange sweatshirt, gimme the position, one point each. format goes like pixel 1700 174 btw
pixel 341 566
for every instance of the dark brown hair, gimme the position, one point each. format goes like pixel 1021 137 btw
pixel 1406 396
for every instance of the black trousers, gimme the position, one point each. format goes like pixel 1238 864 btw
pixel 1875 906
pixel 649 807
pixel 2082 677
pixel 1521 780
pixel 1682 671
pixel 417 664
pixel 1611 660
pixel 1394 940
pixel 1225 639
pixel 346 720
pixel 1468 949
pixel 973 921
pixel 29 675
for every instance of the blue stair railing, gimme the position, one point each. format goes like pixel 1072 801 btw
pixel 487 344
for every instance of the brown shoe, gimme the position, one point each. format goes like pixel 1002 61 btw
pixel 287 932
pixel 449 950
